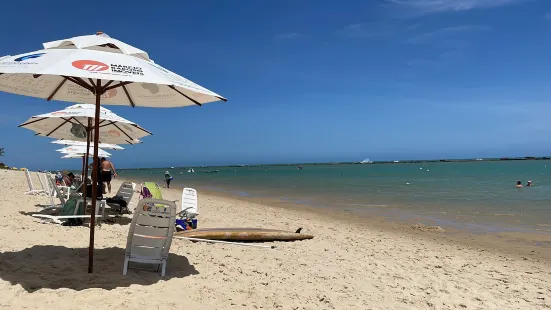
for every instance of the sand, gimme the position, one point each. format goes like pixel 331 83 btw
pixel 346 265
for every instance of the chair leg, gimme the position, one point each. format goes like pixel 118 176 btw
pixel 125 266
pixel 163 270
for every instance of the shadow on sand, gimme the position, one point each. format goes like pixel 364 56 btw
pixel 112 220
pixel 57 267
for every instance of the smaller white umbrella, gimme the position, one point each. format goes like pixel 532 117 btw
pixel 71 123
pixel 75 155
pixel 81 143
pixel 76 149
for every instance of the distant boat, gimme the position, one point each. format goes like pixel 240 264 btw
pixel 396 161
pixel 191 170
pixel 171 167
pixel 366 161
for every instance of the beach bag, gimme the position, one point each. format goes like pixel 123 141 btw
pixel 69 209
pixel 119 201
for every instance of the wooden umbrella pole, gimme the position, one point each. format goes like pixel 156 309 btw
pixel 86 156
pixel 95 176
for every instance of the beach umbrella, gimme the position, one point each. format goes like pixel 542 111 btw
pixel 75 155
pixel 71 123
pixel 77 149
pixel 105 146
pixel 115 76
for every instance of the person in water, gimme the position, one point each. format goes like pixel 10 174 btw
pixel 106 167
pixel 529 184
pixel 519 184
pixel 168 178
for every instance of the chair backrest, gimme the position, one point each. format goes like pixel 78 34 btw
pixel 40 180
pixel 29 180
pixel 189 200
pixel 153 190
pixel 126 191
pixel 151 230
pixel 56 189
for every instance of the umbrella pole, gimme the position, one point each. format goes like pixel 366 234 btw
pixel 85 159
pixel 94 178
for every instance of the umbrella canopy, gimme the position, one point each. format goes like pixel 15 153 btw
pixel 71 123
pixel 81 143
pixel 75 155
pixel 76 75
pixel 99 77
pixel 98 42
pixel 76 149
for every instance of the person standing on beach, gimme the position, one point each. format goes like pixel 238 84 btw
pixel 168 178
pixel 106 167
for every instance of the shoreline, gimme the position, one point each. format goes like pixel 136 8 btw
pixel 520 244
pixel 350 264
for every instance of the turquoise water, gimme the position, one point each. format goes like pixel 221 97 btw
pixel 478 196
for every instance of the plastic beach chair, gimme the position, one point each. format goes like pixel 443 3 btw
pixel 32 190
pixel 150 234
pixel 125 192
pixel 189 203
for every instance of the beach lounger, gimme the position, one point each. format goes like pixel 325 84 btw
pixel 125 193
pixel 32 190
pixel 60 219
pixel 150 234
pixel 189 203
pixel 150 190
pixel 65 191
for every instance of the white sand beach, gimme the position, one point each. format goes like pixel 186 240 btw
pixel 346 266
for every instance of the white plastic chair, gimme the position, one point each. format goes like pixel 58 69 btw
pixel 32 190
pixel 150 234
pixel 189 203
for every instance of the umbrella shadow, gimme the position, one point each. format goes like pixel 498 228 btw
pixel 56 267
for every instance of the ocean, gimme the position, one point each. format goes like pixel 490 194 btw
pixel 475 196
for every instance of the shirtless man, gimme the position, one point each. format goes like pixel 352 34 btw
pixel 106 167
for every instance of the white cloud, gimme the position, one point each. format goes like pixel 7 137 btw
pixel 289 36
pixel 436 6
pixel 448 32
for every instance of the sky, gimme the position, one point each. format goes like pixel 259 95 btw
pixel 311 80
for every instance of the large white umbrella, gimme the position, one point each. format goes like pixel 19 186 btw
pixel 106 146
pixel 98 42
pixel 91 76
pixel 72 123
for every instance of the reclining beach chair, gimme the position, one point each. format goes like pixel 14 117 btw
pixel 32 190
pixel 150 234
pixel 150 190
pixel 61 190
pixel 125 193
pixel 189 203
pixel 74 210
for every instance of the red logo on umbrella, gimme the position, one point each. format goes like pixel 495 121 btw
pixel 114 133
pixel 90 65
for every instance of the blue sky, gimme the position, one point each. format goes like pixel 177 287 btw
pixel 313 80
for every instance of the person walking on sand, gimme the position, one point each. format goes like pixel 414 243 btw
pixel 106 167
pixel 168 178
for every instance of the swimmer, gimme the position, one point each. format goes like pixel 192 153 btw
pixel 519 184
pixel 529 184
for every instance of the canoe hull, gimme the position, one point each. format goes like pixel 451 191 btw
pixel 243 234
